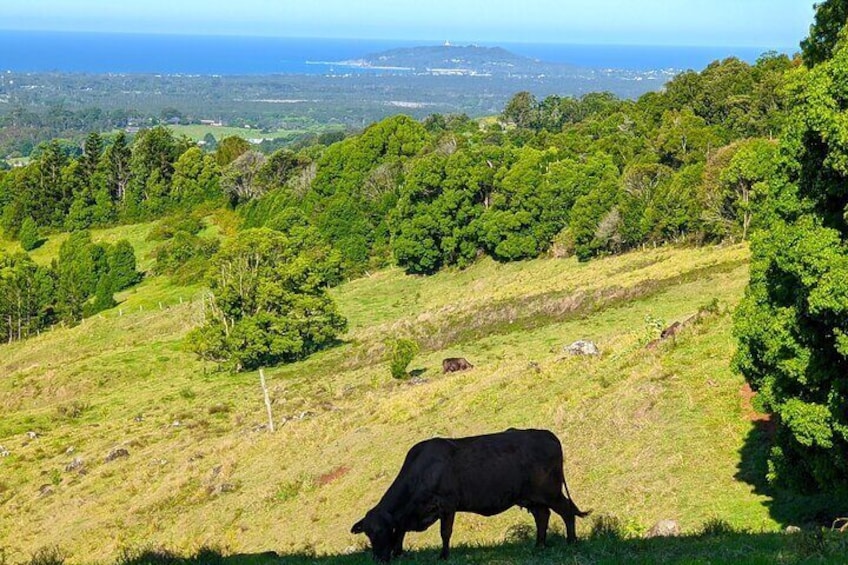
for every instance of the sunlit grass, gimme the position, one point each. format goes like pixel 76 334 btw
pixel 647 435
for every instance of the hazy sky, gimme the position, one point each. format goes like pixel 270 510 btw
pixel 760 23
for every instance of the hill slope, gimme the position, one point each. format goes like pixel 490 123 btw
pixel 647 434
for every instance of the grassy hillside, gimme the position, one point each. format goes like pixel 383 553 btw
pixel 647 434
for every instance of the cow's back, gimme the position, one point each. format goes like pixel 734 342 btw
pixel 491 473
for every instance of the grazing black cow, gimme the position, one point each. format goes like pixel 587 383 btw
pixel 485 475
pixel 453 364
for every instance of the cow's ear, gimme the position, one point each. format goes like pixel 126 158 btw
pixel 358 527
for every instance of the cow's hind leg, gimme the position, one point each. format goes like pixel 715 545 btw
pixel 568 512
pixel 446 530
pixel 542 515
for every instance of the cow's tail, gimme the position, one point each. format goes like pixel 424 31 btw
pixel 579 513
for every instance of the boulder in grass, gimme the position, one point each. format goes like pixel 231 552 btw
pixel 664 529
pixel 583 347
pixel 117 453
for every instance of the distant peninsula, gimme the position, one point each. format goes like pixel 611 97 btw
pixel 459 60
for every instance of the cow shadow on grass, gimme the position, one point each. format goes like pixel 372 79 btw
pixel 785 507
pixel 716 546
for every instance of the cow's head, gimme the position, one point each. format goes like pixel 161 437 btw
pixel 379 527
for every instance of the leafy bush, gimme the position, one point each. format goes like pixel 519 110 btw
pixel 28 234
pixel 269 300
pixel 401 352
pixel 605 526
pixel 716 527
pixel 122 265
pixel 185 257
pixel 168 227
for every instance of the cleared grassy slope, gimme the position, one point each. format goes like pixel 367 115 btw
pixel 647 434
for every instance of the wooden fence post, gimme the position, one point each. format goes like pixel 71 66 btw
pixel 267 400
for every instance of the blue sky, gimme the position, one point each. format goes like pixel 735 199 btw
pixel 760 23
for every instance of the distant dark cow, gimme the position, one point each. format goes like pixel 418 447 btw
pixel 483 474
pixel 453 364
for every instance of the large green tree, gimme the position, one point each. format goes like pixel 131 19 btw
pixel 792 325
pixel 269 300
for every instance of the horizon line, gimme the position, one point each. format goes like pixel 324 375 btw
pixel 428 41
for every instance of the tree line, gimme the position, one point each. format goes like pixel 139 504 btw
pixel 585 176
pixel 80 282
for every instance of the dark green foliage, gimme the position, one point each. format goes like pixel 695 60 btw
pixel 356 186
pixel 184 256
pixel 85 270
pixel 524 212
pixel 154 154
pixel 831 17
pixel 28 234
pixel 80 265
pixel 269 301
pixel 443 196
pixel 46 197
pixel 26 297
pixel 400 354
pixel 231 148
pixel 168 227
pixel 122 265
pixel 116 163
pixel 792 325
pixel 103 295
pixel 594 222
pixel 197 178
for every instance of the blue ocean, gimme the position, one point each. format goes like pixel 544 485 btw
pixel 38 51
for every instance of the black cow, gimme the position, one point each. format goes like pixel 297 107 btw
pixel 485 475
pixel 453 364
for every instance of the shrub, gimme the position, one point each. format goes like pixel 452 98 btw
pixel 170 226
pixel 605 526
pixel 122 265
pixel 28 234
pixel 184 256
pixel 47 556
pixel 401 352
pixel 716 527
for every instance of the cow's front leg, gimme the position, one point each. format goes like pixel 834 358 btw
pixel 447 530
pixel 397 550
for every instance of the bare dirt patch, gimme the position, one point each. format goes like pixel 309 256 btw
pixel 333 475
pixel 747 394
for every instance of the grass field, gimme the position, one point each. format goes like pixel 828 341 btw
pixel 647 435
pixel 198 132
